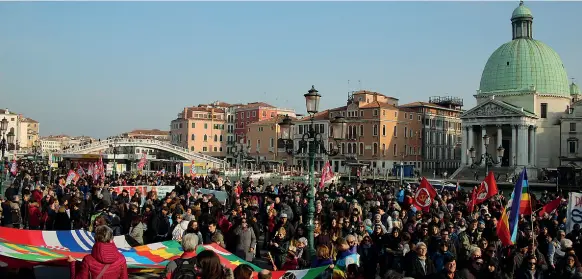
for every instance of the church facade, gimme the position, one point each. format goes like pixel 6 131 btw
pixel 523 94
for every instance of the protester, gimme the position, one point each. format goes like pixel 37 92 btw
pixel 187 264
pixel 105 261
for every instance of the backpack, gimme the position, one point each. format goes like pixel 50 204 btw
pixel 186 269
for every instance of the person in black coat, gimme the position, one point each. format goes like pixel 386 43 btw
pixel 420 266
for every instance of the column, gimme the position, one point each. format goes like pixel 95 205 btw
pixel 512 155
pixel 471 142
pixel 483 148
pixel 464 146
pixel 499 143
pixel 531 146
pixel 523 145
pixel 534 144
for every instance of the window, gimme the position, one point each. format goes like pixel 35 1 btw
pixel 254 113
pixel 375 150
pixel 573 127
pixel 405 149
pixel 544 110
pixel 361 113
pixel 394 150
pixel 272 142
pixel 242 115
pixel 375 131
pixel 361 130
pixel 221 138
pixel 411 116
pixel 215 149
pixel 383 130
pixel 191 148
pixel 419 118
pixel 272 114
pixel 375 112
pixel 395 132
pixel 258 145
pixel 572 146
pixel 405 132
pixel 405 115
pixel 193 125
pixel 265 114
pixel 205 125
pixel 205 138
pixel 193 137
pixel 215 138
pixel 361 148
pixel 383 149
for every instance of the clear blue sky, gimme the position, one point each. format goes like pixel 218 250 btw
pixel 99 69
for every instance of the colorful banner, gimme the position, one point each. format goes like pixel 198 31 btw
pixel 27 248
pixel 573 211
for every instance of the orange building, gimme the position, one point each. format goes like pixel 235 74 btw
pixel 253 112
pixel 262 139
pixel 201 129
pixel 380 134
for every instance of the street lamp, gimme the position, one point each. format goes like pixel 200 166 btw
pixel 3 128
pixel 114 147
pixel 239 151
pixel 312 142
pixel 488 158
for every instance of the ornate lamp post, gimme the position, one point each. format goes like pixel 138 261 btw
pixel 488 158
pixel 3 128
pixel 312 143
pixel 114 147
pixel 240 151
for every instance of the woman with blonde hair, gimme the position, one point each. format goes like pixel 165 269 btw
pixel 323 257
pixel 278 247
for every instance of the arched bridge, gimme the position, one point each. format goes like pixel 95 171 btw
pixel 147 143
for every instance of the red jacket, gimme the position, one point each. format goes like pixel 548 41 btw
pixel 102 254
pixel 34 215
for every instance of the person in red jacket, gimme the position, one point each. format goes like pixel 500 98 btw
pixel 104 262
pixel 34 215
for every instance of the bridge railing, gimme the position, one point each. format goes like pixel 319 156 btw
pixel 114 141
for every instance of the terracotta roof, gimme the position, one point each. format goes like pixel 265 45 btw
pixel 322 115
pixel 149 132
pixel 277 119
pixel 256 105
pixel 425 104
pixel 376 104
pixel 28 120
pixel 338 109
pixel 215 104
pixel 204 109
pixel 372 92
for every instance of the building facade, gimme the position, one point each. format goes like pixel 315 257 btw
pixel 262 139
pixel 441 133
pixel 523 93
pixel 25 130
pixel 321 126
pixel 379 133
pixel 253 112
pixel 148 134
pixel 200 129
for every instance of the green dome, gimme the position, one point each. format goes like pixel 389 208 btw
pixel 574 89
pixel 521 11
pixel 523 63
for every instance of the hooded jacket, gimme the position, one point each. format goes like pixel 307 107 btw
pixel 102 254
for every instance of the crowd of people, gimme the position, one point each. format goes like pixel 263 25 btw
pixel 360 230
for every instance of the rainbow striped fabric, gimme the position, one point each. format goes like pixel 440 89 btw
pixel 26 248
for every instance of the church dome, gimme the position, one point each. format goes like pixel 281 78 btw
pixel 524 63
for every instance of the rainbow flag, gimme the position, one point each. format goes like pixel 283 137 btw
pixel 519 199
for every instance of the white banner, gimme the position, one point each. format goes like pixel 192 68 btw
pixel 574 212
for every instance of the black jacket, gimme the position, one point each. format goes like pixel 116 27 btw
pixel 415 269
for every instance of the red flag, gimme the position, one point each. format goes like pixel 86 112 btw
pixel 503 229
pixel 424 195
pixel 487 189
pixel 471 204
pixel 326 174
pixel 551 206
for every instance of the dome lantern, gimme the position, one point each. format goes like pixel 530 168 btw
pixel 574 89
pixel 521 22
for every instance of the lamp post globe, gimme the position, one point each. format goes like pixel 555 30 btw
pixel 312 100
pixel 338 127
pixel 3 125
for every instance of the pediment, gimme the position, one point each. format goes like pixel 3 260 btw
pixel 494 108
